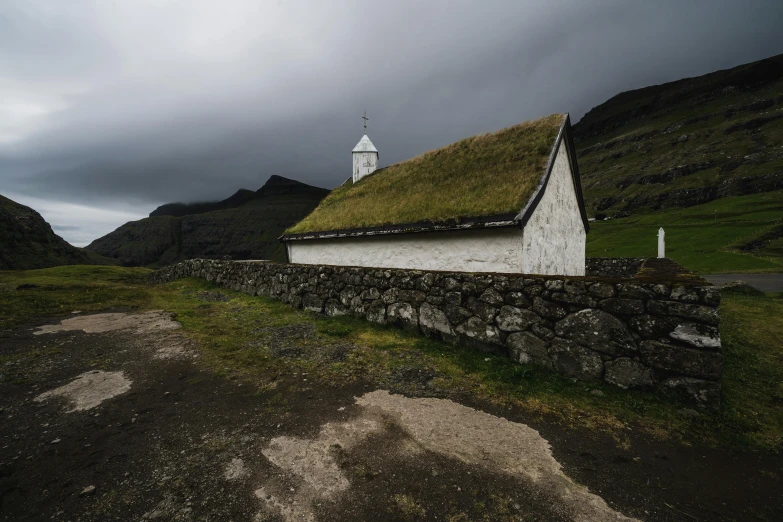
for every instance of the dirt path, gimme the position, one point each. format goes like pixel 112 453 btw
pixel 111 417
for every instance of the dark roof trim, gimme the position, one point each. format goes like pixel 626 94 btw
pixel 564 134
pixel 498 221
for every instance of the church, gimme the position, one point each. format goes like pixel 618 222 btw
pixel 506 202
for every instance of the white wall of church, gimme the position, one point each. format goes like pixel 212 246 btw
pixel 554 237
pixel 481 250
pixel 364 163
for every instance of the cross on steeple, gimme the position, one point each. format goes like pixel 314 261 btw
pixel 365 118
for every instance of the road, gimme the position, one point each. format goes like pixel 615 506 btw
pixel 764 282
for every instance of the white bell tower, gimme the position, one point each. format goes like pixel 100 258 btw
pixel 365 155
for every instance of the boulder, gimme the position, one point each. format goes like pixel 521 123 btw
pixel 453 298
pixel 482 309
pixel 702 314
pixel 705 394
pixel 358 307
pixel 575 361
pixel 543 332
pixel 517 299
pixel 492 297
pixel 740 287
pixel 511 319
pixel 710 295
pixel 652 327
pixel 526 348
pixel 684 294
pixel 312 303
pixel 334 307
pixel 392 295
pixel 412 296
pixel 403 314
pixel 573 299
pixel 476 329
pixel 457 314
pixel 597 330
pixel 371 294
pixel 548 310
pixel 554 285
pixel 601 290
pixel 621 306
pixel 574 287
pixel 628 373
pixel 631 291
pixel 376 312
pixel 433 322
pixel 688 361
pixel 698 335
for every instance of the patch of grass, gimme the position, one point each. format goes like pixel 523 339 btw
pixel 61 290
pixel 236 338
pixel 751 330
pixel 483 175
pixel 704 238
pixel 408 508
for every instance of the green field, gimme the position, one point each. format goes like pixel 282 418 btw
pixel 705 238
pixel 227 334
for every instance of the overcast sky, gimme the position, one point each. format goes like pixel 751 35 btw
pixel 110 108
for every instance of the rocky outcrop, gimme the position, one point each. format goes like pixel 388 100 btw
pixel 645 334
pixel 27 241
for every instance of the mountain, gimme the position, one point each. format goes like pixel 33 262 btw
pixel 275 186
pixel 28 242
pixel 684 143
pixel 243 226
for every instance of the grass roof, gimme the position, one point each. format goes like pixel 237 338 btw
pixel 486 175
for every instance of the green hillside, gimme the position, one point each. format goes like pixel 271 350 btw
pixel 734 234
pixel 243 228
pixel 684 143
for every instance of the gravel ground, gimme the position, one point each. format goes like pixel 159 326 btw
pixel 111 417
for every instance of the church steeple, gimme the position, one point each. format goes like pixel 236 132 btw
pixel 365 155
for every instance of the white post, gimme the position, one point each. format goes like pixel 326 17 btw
pixel 661 243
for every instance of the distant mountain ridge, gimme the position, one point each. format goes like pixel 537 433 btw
pixel 28 242
pixel 275 186
pixel 243 226
pixel 685 142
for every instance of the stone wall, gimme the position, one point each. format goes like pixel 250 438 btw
pixel 633 334
pixel 619 267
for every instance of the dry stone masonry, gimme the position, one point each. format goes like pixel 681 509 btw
pixel 633 332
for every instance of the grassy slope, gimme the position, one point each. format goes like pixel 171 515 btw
pixel 229 337
pixel 250 231
pixel 479 176
pixel 725 128
pixel 705 238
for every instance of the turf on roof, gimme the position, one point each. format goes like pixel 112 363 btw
pixel 485 175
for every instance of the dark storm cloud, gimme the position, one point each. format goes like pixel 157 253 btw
pixel 127 107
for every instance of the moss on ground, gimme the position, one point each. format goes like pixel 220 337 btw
pixel 272 345
pixel 483 175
